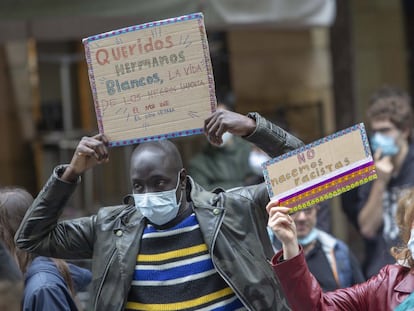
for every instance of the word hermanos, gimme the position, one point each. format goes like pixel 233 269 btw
pixel 130 67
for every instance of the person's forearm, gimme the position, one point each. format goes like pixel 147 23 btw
pixel 44 212
pixel 370 217
pixel 290 250
pixel 303 291
pixel 271 138
pixel 299 285
pixel 69 175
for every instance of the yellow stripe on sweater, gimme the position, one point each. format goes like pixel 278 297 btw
pixel 180 305
pixel 172 254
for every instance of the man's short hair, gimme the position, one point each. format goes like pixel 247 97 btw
pixel 393 104
pixel 167 146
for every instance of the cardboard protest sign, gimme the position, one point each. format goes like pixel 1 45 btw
pixel 151 81
pixel 321 170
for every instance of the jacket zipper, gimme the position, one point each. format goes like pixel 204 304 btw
pixel 98 293
pixel 221 272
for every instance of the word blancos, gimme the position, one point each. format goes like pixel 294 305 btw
pixel 149 63
pixel 106 55
pixel 305 172
pixel 114 86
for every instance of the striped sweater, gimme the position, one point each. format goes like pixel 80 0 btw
pixel 174 271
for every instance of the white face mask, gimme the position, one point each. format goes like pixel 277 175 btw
pixel 410 243
pixel 256 158
pixel 226 138
pixel 158 207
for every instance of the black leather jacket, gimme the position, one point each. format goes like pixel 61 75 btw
pixel 233 225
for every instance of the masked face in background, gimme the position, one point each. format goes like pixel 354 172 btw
pixel 256 158
pixel 386 137
pixel 386 143
pixel 227 139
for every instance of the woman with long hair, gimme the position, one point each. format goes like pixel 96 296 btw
pixel 50 284
pixel 390 289
pixel 11 282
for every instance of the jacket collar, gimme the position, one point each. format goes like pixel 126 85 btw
pixel 208 207
pixel 199 196
pixel 407 283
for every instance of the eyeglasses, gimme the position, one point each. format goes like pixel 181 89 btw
pixel 307 211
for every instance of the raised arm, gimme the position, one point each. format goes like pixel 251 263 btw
pixel 254 128
pixel 40 231
pixel 370 216
pixel 300 286
pixel 284 228
pixel 90 152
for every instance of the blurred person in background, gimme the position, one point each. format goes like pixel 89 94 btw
pixel 371 207
pixel 391 288
pixel 226 165
pixel 329 259
pixel 11 282
pixel 50 284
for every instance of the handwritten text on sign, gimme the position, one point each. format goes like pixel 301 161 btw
pixel 151 81
pixel 321 170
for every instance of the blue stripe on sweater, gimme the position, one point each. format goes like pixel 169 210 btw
pixel 188 222
pixel 236 304
pixel 174 273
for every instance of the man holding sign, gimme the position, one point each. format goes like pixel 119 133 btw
pixel 172 245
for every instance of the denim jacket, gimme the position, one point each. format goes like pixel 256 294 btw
pixel 46 289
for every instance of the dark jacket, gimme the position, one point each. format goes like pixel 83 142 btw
pixel 377 248
pixel 233 225
pixel 47 290
pixel 331 261
pixel 382 292
pixel 225 167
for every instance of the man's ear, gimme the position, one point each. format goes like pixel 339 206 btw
pixel 183 178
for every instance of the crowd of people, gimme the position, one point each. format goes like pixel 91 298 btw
pixel 211 239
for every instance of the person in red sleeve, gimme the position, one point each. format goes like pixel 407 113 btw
pixel 384 291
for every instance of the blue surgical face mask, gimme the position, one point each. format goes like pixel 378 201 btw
pixel 410 243
pixel 158 207
pixel 385 143
pixel 309 238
